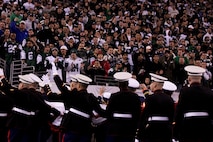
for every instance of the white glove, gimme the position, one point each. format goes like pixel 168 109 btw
pixel 173 140
pixel 45 80
pixel 1 72
pixel 54 70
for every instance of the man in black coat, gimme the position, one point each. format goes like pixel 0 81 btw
pixel 157 116
pixel 24 120
pixel 6 105
pixel 123 111
pixel 194 109
pixel 77 125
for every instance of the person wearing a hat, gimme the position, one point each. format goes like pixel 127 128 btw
pixel 157 116
pixel 20 30
pixel 43 125
pixel 117 68
pixel 194 109
pixel 169 87
pixel 73 65
pixel 63 54
pixel 83 106
pixel 6 105
pixel 123 111
pixel 56 60
pixel 29 110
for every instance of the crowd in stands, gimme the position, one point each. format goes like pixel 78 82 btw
pixel 101 37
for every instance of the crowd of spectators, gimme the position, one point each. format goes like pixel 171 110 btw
pixel 101 37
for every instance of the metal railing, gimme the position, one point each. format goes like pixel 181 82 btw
pixel 18 68
pixel 3 65
pixel 105 80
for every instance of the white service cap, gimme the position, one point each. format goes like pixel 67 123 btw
pixel 169 86
pixel 73 78
pixel 193 70
pixel 122 76
pixel 83 79
pixel 133 83
pixel 157 78
pixel 35 78
pixel 25 79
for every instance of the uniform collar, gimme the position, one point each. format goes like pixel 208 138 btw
pixel 158 92
pixel 195 84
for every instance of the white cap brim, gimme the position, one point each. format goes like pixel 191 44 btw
pixel 73 78
pixel 157 78
pixel 169 86
pixel 193 70
pixel 83 79
pixel 25 79
pixel 133 83
pixel 122 76
pixel 35 78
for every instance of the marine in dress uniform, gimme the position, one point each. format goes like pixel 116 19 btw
pixel 157 116
pixel 194 109
pixel 6 105
pixel 24 121
pixel 82 105
pixel 123 111
pixel 169 87
pixel 44 118
pixel 100 123
pixel 65 95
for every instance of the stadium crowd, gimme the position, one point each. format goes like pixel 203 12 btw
pixel 152 41
pixel 103 37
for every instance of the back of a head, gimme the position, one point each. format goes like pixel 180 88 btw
pixel 83 81
pixel 158 82
pixel 122 78
pixel 169 87
pixel 133 84
pixel 194 73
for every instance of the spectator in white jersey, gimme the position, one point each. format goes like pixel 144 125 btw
pixel 53 58
pixel 72 65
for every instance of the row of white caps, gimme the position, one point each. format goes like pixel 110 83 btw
pixel 119 76
pixel 32 78
pixel 29 78
pixel 191 70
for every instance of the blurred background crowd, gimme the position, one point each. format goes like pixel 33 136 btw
pixel 102 37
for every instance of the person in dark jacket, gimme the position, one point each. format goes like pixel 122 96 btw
pixel 27 111
pixel 77 126
pixel 6 105
pixel 194 109
pixel 123 111
pixel 157 116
